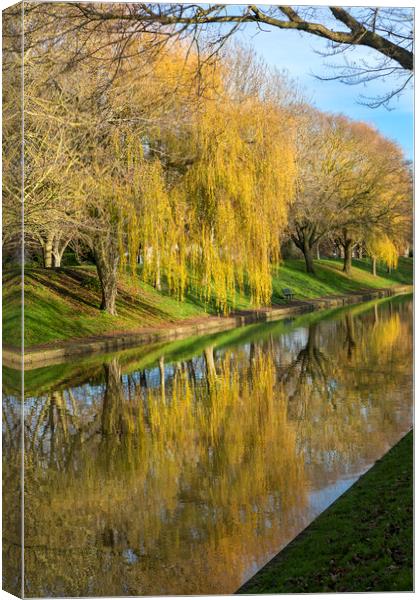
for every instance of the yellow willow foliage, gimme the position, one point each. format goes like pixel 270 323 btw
pixel 197 182
pixel 386 335
pixel 203 412
pixel 160 215
pixel 221 222
pixel 217 457
pixel 342 425
pixel 383 248
pixel 133 199
pixel 238 191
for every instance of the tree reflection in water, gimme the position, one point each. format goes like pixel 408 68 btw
pixel 186 477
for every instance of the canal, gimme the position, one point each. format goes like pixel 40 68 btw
pixel 183 468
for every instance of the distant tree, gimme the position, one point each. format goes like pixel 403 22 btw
pixel 381 203
pixel 382 248
pixel 330 185
pixel 311 212
pixel 351 181
pixel 39 170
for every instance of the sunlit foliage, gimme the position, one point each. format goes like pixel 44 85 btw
pixel 383 249
pixel 186 169
pixel 185 179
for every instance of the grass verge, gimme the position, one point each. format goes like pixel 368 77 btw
pixel 63 304
pixel 362 543
pixel 39 380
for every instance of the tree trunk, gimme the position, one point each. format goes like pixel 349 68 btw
pixel 373 265
pixel 143 380
pixel 351 344
pixel 251 353
pixel 162 376
pixel 210 366
pixel 191 371
pixel 47 248
pixel 304 240
pixel 107 267
pixel 311 346
pixel 51 426
pixel 157 277
pixel 58 252
pixel 348 247
pixel 318 256
pixel 109 293
pixel 309 261
pixel 112 418
pixel 360 251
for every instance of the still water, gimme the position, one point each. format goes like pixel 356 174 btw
pixel 183 468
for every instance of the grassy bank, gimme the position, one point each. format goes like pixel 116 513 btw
pixel 40 379
pixel 363 542
pixel 63 304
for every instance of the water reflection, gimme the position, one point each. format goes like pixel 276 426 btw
pixel 12 458
pixel 186 476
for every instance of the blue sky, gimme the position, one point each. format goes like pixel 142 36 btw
pixel 296 52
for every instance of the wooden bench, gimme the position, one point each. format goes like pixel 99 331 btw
pixel 287 294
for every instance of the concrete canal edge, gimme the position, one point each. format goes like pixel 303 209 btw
pixel 363 542
pixel 43 355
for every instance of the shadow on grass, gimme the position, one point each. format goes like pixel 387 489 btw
pixel 74 289
pixel 81 286
pixel 68 288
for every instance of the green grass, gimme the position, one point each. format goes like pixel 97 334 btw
pixel 330 279
pixel 63 304
pixel 363 542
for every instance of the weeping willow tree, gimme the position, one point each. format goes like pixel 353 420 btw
pixel 218 180
pixel 131 217
pixel 179 173
pixel 201 203
pixel 237 193
pixel 162 221
pixel 382 248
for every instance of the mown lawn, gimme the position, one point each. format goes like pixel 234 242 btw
pixel 362 543
pixel 63 304
pixel 330 279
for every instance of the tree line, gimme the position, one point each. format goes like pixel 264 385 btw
pixel 186 167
